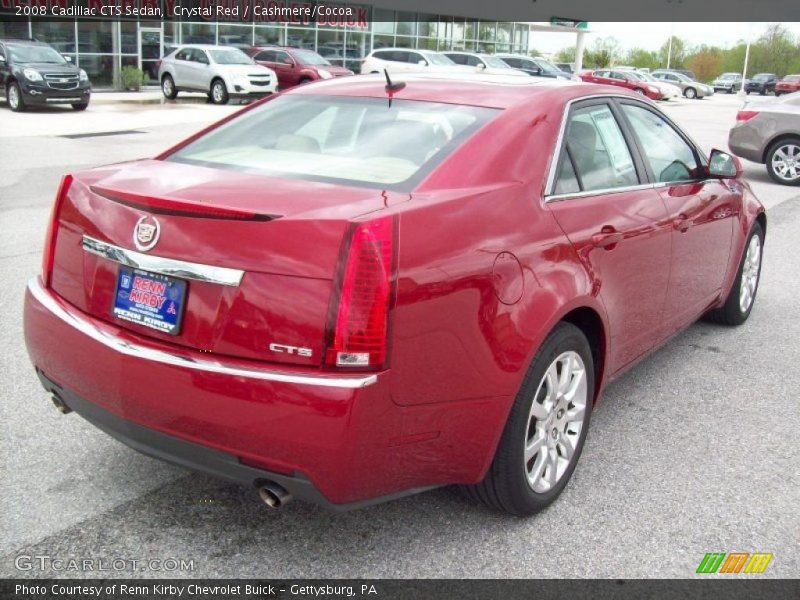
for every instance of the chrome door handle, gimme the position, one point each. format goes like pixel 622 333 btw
pixel 683 223
pixel 606 239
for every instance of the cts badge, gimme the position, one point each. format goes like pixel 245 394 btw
pixel 146 232
pixel 284 349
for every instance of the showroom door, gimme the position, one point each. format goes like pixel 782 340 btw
pixel 150 48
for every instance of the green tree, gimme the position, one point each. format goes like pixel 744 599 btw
pixel 639 57
pixel 774 52
pixel 705 62
pixel 605 52
pixel 566 55
pixel 676 54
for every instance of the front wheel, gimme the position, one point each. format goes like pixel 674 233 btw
pixel 639 91
pixel 15 100
pixel 546 428
pixel 690 93
pixel 79 106
pixel 168 88
pixel 783 161
pixel 219 93
pixel 740 299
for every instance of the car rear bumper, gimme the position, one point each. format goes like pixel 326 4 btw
pixel 336 440
pixel 746 141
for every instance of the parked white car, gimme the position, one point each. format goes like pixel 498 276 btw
pixel 486 63
pixel 220 71
pixel 668 90
pixel 407 60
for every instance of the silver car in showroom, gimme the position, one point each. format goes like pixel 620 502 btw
pixel 222 72
pixel 768 132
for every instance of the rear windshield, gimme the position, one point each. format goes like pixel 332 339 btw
pixel 360 141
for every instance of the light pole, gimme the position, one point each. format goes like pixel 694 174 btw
pixel 669 47
pixel 746 59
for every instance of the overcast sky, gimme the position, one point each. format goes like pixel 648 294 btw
pixel 651 35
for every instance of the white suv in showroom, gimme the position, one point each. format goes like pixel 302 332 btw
pixel 407 60
pixel 221 72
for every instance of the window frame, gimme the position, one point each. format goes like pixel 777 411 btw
pixel 643 171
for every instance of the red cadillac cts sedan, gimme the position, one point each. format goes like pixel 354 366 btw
pixel 354 291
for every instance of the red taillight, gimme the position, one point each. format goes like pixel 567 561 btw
pixel 746 115
pixel 48 256
pixel 359 335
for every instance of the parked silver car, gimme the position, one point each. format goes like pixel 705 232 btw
pixel 769 133
pixel 689 87
pixel 728 82
pixel 220 71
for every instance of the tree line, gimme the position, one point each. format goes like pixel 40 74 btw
pixel 776 51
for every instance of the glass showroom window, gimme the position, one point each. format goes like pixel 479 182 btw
pixel 238 36
pixel 330 44
pixel 270 35
pixel 357 48
pixel 301 38
pixel 97 54
pixel 198 33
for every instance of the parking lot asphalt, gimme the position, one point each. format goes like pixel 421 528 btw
pixel 692 451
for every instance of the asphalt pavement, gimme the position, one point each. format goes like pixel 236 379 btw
pixel 693 451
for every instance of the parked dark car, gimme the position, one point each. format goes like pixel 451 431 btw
pixel 33 73
pixel 763 83
pixel 294 66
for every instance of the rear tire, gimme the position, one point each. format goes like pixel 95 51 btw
pixel 742 295
pixel 690 93
pixel 16 102
pixel 546 429
pixel 219 93
pixel 168 87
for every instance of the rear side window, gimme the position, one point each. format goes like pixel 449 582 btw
pixel 361 141
pixel 598 151
pixel 459 59
pixel 671 158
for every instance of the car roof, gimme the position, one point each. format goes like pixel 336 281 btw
pixel 22 41
pixel 208 46
pixel 469 89
pixel 509 55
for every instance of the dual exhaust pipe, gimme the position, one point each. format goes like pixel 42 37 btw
pixel 272 494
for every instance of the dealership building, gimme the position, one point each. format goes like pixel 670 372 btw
pixel 104 47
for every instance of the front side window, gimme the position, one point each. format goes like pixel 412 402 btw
pixel 266 56
pixel 361 141
pixel 598 151
pixel 671 158
pixel 460 59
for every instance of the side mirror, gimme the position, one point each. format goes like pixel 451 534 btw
pixel 723 165
pixel 480 66
pixel 423 63
pixel 68 58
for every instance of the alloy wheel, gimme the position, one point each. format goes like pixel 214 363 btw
pixel 13 97
pixel 556 418
pixel 217 93
pixel 786 162
pixel 167 86
pixel 750 273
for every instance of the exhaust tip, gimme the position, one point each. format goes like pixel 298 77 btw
pixel 60 404
pixel 274 495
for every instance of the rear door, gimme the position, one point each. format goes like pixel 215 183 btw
pixel 701 211
pixel 617 222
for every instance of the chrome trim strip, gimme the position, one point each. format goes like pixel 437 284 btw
pixel 85 326
pixel 164 266
pixel 587 193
